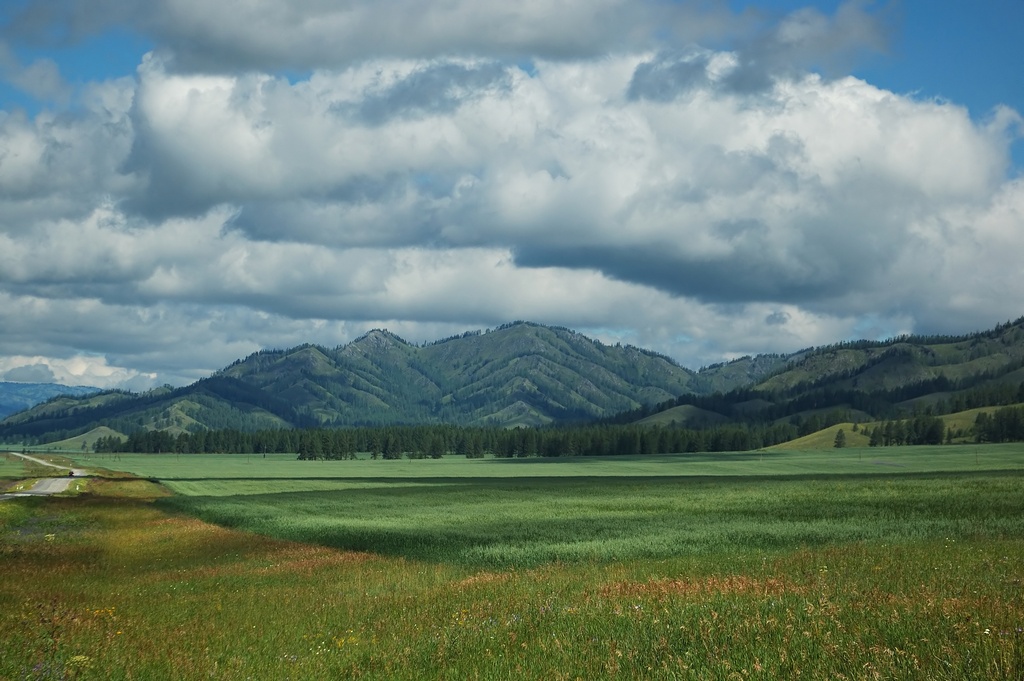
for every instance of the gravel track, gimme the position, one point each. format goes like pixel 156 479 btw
pixel 46 486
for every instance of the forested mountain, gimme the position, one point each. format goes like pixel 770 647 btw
pixel 518 374
pixel 15 397
pixel 868 380
pixel 525 374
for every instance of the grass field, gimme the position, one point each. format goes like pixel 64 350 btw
pixel 515 524
pixel 200 468
pixel 11 467
pixel 908 565
pixel 17 473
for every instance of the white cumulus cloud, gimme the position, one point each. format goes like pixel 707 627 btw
pixel 564 163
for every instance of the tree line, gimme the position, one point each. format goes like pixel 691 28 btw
pixel 1003 425
pixel 923 429
pixel 435 441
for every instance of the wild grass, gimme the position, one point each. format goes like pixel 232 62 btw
pixel 11 468
pixel 439 571
pixel 98 588
pixel 761 463
pixel 509 524
pixel 122 488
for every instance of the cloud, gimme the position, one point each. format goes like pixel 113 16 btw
pixel 433 89
pixel 806 40
pixel 56 165
pixel 668 76
pixel 264 35
pixel 84 370
pixel 707 203
pixel 41 78
pixel 30 373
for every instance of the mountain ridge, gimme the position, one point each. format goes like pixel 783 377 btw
pixel 528 374
pixel 877 379
pixel 17 396
pixel 518 374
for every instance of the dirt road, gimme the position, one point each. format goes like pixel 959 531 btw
pixel 54 485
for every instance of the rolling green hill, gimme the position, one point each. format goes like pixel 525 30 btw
pixel 685 416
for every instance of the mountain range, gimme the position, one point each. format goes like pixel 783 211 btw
pixel 15 397
pixel 868 381
pixel 526 374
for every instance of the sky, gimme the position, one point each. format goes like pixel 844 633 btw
pixel 183 182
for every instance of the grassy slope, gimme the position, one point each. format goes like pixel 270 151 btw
pixel 685 416
pixel 961 422
pixel 826 438
pixel 964 420
pixel 89 439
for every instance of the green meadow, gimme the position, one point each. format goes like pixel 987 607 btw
pixel 11 468
pixel 858 564
pixel 279 469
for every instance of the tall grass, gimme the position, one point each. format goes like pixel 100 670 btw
pixel 827 461
pixel 442 572
pixel 529 522
pixel 99 588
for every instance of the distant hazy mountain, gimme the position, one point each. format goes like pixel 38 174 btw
pixel 15 397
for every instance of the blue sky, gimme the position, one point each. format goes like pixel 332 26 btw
pixel 963 52
pixel 182 183
pixel 967 53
